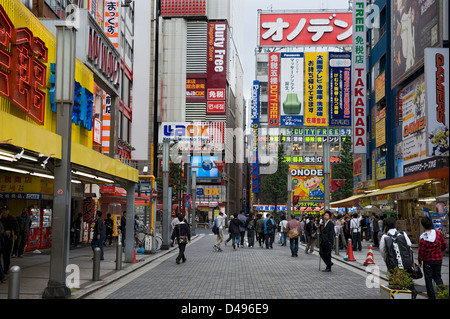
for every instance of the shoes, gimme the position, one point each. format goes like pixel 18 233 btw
pixel 177 261
pixel 184 260
pixel 326 270
pixel 219 249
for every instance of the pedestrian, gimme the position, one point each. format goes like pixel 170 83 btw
pixel 431 245
pixel 375 230
pixel 356 232
pixel 2 234
pixel 24 223
pixel 269 231
pixel 311 231
pixel 326 240
pixel 346 229
pixel 398 254
pixel 284 230
pixel 340 234
pixel 229 233
pixel 251 228
pixel 109 225
pixel 99 233
pixel 123 228
pixel 260 230
pixel 182 233
pixel 364 228
pixel 220 223
pixel 173 224
pixel 243 226
pixel 11 230
pixel 293 230
pixel 235 230
pixel 76 226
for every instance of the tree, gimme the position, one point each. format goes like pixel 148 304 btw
pixel 344 170
pixel 274 186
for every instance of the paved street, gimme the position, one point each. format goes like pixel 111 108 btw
pixel 244 273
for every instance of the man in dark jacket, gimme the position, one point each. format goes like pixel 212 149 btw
pixel 235 230
pixel 181 229
pixel 11 230
pixel 326 240
pixel 99 233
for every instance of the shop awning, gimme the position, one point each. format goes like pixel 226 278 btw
pixel 442 198
pixel 348 202
pixel 398 188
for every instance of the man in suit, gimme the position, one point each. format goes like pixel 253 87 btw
pixel 326 240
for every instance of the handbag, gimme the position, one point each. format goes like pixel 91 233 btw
pixel 416 272
pixel 182 239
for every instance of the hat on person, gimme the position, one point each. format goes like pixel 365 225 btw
pixel 5 207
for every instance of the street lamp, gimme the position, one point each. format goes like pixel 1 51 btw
pixel 62 192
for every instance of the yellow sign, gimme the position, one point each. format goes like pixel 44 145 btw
pixel 316 89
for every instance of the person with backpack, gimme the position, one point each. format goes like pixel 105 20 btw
pixel 251 227
pixel 260 229
pixel 293 229
pixel 431 245
pixel 182 234
pixel 235 230
pixel 269 231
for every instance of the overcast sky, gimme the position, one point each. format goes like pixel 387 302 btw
pixel 246 24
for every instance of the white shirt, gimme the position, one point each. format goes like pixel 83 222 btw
pixel 354 224
pixel 391 231
pixel 220 221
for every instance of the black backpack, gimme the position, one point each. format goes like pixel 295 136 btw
pixel 398 253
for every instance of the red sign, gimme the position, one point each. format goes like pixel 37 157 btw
pixel 217 66
pixel 154 194
pixel 195 90
pixel 183 8
pixel 220 165
pixel 299 29
pixel 274 89
pixel 216 107
pixel 22 69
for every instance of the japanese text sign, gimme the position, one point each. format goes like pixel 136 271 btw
pixel 340 88
pixel 274 89
pixel 316 89
pixel 112 21
pixel 305 29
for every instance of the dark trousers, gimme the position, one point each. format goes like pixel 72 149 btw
pixel 269 239
pixel 356 241
pixel 294 245
pixel 375 239
pixel 432 271
pixel 7 247
pixel 251 237
pixel 181 249
pixel 325 253
pixel 242 233
pixel 19 244
pixel 261 239
pixel 98 243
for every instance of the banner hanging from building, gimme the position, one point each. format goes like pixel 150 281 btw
pixel 437 83
pixel 292 102
pixel 217 67
pixel 254 116
pixel 274 89
pixel 316 89
pixel 112 21
pixel 359 85
pixel 308 182
pixel 340 96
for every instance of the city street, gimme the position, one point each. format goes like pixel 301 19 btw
pixel 244 273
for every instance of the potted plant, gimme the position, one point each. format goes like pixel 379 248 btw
pixel 442 292
pixel 399 282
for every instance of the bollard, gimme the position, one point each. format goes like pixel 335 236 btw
pixel 119 256
pixel 14 283
pixel 96 268
pixel 336 245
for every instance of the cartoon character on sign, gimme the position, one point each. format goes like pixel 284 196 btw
pixel 439 139
pixel 313 186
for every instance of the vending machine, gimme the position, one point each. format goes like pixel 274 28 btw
pixel 34 236
pixel 46 230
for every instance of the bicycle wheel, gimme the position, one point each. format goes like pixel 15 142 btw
pixel 158 242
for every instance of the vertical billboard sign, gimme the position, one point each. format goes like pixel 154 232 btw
pixel 112 21
pixel 316 89
pixel 217 67
pixel 255 127
pixel 340 88
pixel 292 102
pixel 274 89
pixel 416 25
pixel 359 78
pixel 308 182
pixel 437 82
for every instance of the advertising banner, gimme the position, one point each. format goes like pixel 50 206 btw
pixel 359 83
pixel 291 89
pixel 340 96
pixel 255 127
pixel 195 89
pixel 112 21
pixel 415 26
pixel 316 89
pixel 308 182
pixel 217 67
pixel 437 83
pixel 305 29
pixel 192 132
pixel 274 89
pixel 414 121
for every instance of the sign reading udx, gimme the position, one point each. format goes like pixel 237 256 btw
pixel 305 28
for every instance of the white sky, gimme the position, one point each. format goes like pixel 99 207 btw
pixel 245 26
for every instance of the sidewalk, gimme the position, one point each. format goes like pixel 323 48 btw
pixel 361 256
pixel 34 271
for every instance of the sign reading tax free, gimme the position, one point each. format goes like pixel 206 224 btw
pixel 217 67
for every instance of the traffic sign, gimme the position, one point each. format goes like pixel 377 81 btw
pixel 220 165
pixel 154 194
